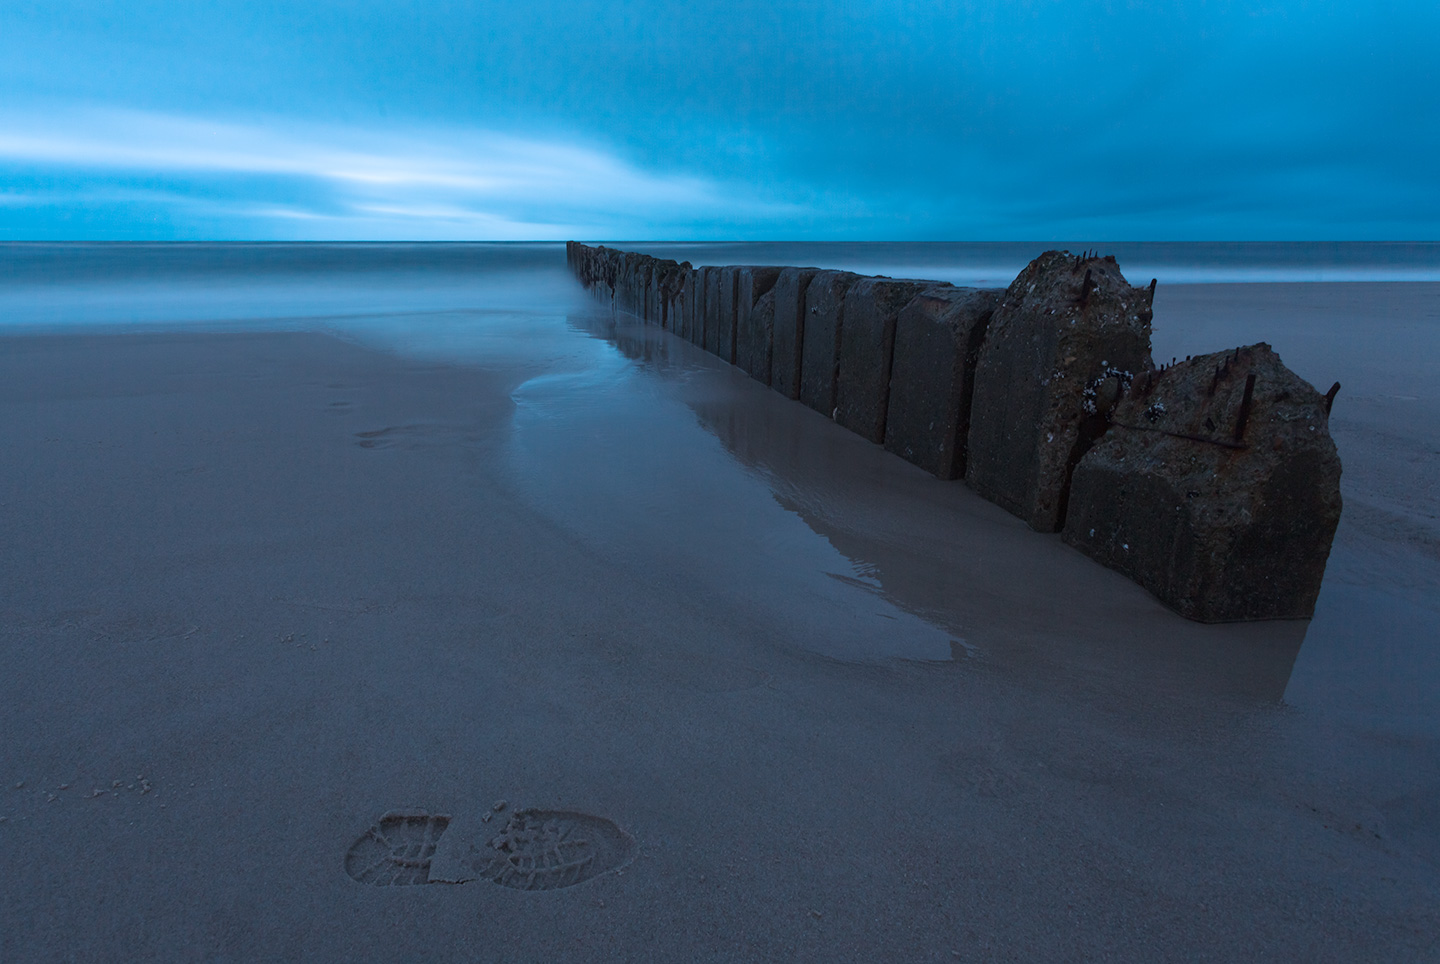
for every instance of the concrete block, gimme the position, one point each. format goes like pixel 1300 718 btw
pixel 867 345
pixel 640 282
pixel 710 334
pixel 687 304
pixel 752 328
pixel 725 315
pixel 590 271
pixel 788 329
pixel 652 291
pixel 584 266
pixel 762 321
pixel 1062 323
pixel 608 269
pixel 937 341
pixel 659 290
pixel 643 268
pixel 695 311
pixel 820 344
pixel 673 291
pixel 1217 488
pixel 702 291
pixel 623 264
pixel 653 281
pixel 697 331
pixel 644 271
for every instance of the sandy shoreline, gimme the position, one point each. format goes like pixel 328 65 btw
pixel 293 582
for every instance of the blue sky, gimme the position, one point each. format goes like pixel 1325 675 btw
pixel 458 119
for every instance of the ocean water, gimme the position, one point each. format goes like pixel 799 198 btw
pixel 1366 315
pixel 1363 314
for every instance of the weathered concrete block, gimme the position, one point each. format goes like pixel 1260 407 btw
pixel 788 329
pixel 673 287
pixel 623 265
pixel 644 269
pixel 1062 323
pixel 592 275
pixel 687 304
pixel 820 345
pixel 725 315
pixel 1217 488
pixel 752 329
pixel 656 291
pixel 710 335
pixel 867 345
pixel 937 341
pixel 737 298
pixel 702 294
pixel 585 260
pixel 640 281
pixel 653 295
pixel 609 275
pixel 762 321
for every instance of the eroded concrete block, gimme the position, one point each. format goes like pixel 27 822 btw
pixel 788 329
pixel 725 315
pixel 937 342
pixel 627 288
pixel 657 290
pixel 710 334
pixel 1217 488
pixel 867 346
pixel 673 288
pixel 644 276
pixel 654 292
pixel 752 327
pixel 762 321
pixel 1062 323
pixel 697 310
pixel 608 275
pixel 644 270
pixel 688 297
pixel 590 267
pixel 820 344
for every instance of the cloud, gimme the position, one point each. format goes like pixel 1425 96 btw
pixel 290 179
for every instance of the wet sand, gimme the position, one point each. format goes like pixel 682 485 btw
pixel 277 584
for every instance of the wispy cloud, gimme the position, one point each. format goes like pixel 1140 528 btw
pixel 325 180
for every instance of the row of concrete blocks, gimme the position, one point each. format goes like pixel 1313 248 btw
pixel 1213 482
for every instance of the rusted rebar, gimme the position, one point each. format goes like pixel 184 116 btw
pixel 1245 407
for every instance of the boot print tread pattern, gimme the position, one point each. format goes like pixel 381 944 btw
pixel 396 852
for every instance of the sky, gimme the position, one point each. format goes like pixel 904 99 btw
pixel 733 120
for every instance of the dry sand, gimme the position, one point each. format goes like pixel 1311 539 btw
pixel 256 590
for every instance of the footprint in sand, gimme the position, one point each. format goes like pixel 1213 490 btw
pixel 551 849
pixel 396 852
pixel 533 850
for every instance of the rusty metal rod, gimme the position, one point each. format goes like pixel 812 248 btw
pixel 1245 407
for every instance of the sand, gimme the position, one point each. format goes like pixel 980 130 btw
pixel 258 590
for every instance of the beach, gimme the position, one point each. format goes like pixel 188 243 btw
pixel 439 545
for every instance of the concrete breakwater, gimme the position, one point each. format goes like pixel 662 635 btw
pixel 1212 482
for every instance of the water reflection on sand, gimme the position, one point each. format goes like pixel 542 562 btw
pixel 933 549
